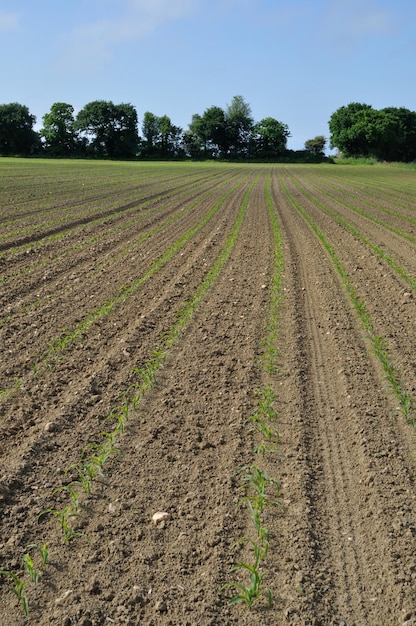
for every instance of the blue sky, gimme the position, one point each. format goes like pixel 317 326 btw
pixel 295 60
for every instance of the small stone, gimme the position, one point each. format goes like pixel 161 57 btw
pixel 63 597
pixel 159 517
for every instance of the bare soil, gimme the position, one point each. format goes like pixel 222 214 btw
pixel 342 545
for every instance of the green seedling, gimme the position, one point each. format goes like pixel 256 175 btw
pixel 84 479
pixel 64 517
pixel 30 568
pixel 19 585
pixel 257 485
pixel 249 593
pixel 262 531
pixel 72 493
pixel 43 552
pixel 264 415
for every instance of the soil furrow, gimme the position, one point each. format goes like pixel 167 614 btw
pixel 334 484
pixel 387 297
pixel 72 304
pixel 65 396
pixel 343 550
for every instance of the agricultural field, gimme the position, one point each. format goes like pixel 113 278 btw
pixel 207 394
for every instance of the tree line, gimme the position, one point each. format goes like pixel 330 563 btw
pixel 106 130
pixel 103 129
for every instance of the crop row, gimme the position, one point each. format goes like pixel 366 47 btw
pixel 164 219
pixel 93 211
pixel 379 344
pixel 44 361
pixel 80 476
pixel 260 491
pixel 376 249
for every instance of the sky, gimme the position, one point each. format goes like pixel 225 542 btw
pixel 295 60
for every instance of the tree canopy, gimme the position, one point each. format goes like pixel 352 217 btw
pixel 16 130
pixel 110 129
pixel 388 134
pixel 316 146
pixel 107 130
pixel 59 130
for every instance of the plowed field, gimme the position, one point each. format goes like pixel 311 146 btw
pixel 163 326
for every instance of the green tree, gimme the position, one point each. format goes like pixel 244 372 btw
pixel 195 138
pixel 239 122
pixel 360 130
pixel 371 133
pixel 210 129
pixel 16 130
pixel 150 130
pixel 111 129
pixel 191 145
pixel 316 146
pixel 59 129
pixel 404 146
pixel 167 135
pixel 162 138
pixel 270 137
pixel 347 128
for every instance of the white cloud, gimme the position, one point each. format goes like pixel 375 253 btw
pixel 9 21
pixel 91 44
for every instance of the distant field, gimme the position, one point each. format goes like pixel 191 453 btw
pixel 163 325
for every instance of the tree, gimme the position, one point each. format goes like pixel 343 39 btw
pixel 150 130
pixel 191 145
pixel 111 128
pixel 162 138
pixel 239 122
pixel 16 130
pixel 388 134
pixel 59 129
pixel 316 146
pixel 404 148
pixel 347 127
pixel 167 134
pixel 270 137
pixel 211 131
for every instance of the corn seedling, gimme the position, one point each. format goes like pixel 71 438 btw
pixel 64 517
pixel 249 593
pixel 30 568
pixel 84 479
pixel 72 493
pixel 262 531
pixel 257 485
pixel 42 551
pixel 19 585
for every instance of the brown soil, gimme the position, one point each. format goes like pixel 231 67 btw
pixel 342 550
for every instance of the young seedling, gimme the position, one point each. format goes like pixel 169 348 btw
pixel 250 593
pixel 72 493
pixel 19 585
pixel 258 481
pixel 262 531
pixel 65 516
pixel 30 568
pixel 43 552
